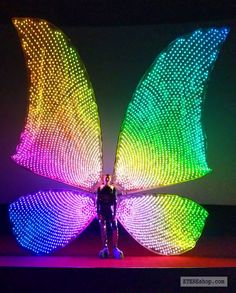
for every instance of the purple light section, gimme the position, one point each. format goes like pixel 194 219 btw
pixel 47 220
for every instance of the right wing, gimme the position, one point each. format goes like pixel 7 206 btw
pixel 163 223
pixel 47 220
pixel 62 136
pixel 161 140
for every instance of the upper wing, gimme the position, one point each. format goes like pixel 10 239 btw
pixel 51 219
pixel 62 136
pixel 161 140
pixel 163 223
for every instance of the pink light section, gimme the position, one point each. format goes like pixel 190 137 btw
pixel 62 136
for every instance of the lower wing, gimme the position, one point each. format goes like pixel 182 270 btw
pixel 47 220
pixel 163 223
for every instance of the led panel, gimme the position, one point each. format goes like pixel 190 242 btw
pixel 48 220
pixel 165 224
pixel 161 139
pixel 62 136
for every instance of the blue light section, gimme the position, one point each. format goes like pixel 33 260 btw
pixel 47 220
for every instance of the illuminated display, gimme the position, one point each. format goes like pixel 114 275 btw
pixel 164 223
pixel 62 136
pixel 48 220
pixel 161 142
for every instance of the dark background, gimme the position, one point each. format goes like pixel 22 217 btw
pixel 117 43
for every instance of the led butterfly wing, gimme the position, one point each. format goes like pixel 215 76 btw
pixel 62 136
pixel 161 140
pixel 163 223
pixel 47 220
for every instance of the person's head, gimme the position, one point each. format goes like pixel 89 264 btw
pixel 107 179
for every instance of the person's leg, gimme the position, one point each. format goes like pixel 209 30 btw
pixel 103 231
pixel 104 253
pixel 117 253
pixel 115 233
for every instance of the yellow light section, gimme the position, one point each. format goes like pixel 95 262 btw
pixel 62 136
pixel 164 223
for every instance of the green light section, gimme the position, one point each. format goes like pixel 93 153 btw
pixel 161 140
pixel 163 223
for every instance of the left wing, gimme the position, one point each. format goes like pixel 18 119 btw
pixel 163 223
pixel 161 140
pixel 62 136
pixel 47 220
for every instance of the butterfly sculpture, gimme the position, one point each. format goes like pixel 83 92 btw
pixel 161 142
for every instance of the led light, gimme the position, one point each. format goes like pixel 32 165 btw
pixel 48 220
pixel 161 140
pixel 62 136
pixel 165 224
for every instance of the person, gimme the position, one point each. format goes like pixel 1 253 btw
pixel 106 211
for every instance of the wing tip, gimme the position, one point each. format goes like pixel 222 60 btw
pixel 16 20
pixel 21 20
pixel 225 29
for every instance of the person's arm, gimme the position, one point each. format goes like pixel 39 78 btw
pixel 115 202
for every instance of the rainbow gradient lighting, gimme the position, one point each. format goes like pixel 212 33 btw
pixel 163 223
pixel 62 110
pixel 161 142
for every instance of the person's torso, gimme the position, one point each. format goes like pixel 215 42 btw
pixel 107 195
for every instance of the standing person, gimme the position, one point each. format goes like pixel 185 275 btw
pixel 106 211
